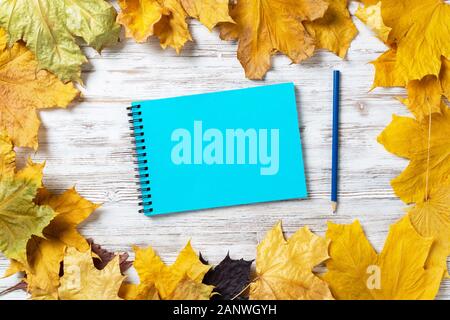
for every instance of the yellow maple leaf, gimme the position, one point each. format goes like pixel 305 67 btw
pixel 20 217
pixel 129 291
pixel 208 12
pixel 385 76
pixel 165 19
pixel 44 258
pixel 71 210
pixel 50 30
pixel 188 289
pixel 356 271
pixel 284 267
pixel 335 30
pixel 166 279
pixel 265 27
pixel 44 255
pixel 82 281
pixel 420 31
pixel 431 218
pixel 424 92
pixel 370 14
pixel 23 89
pixel 139 17
pixel 425 95
pixel 427 148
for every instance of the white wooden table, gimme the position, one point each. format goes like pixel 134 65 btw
pixel 88 146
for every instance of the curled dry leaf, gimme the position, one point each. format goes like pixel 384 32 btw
pixel 208 12
pixel 184 275
pixel 23 90
pixel 49 30
pixel 166 19
pixel 335 30
pixel 357 272
pixel 284 267
pixel 265 27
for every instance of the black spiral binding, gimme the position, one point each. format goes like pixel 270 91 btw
pixel 141 161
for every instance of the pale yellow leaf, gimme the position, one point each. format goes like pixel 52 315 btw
pixel 82 281
pixel 166 279
pixel 427 148
pixel 357 272
pixel 431 218
pixel 284 267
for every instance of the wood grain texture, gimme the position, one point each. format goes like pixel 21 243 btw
pixel 89 146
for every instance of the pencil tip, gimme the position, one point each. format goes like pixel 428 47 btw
pixel 334 206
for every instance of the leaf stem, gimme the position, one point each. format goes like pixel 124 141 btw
pixel 427 175
pixel 245 288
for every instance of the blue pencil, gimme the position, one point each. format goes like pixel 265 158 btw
pixel 335 144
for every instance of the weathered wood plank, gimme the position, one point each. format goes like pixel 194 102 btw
pixel 89 146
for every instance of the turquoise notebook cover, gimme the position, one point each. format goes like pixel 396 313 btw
pixel 218 149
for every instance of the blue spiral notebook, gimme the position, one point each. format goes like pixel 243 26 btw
pixel 218 149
